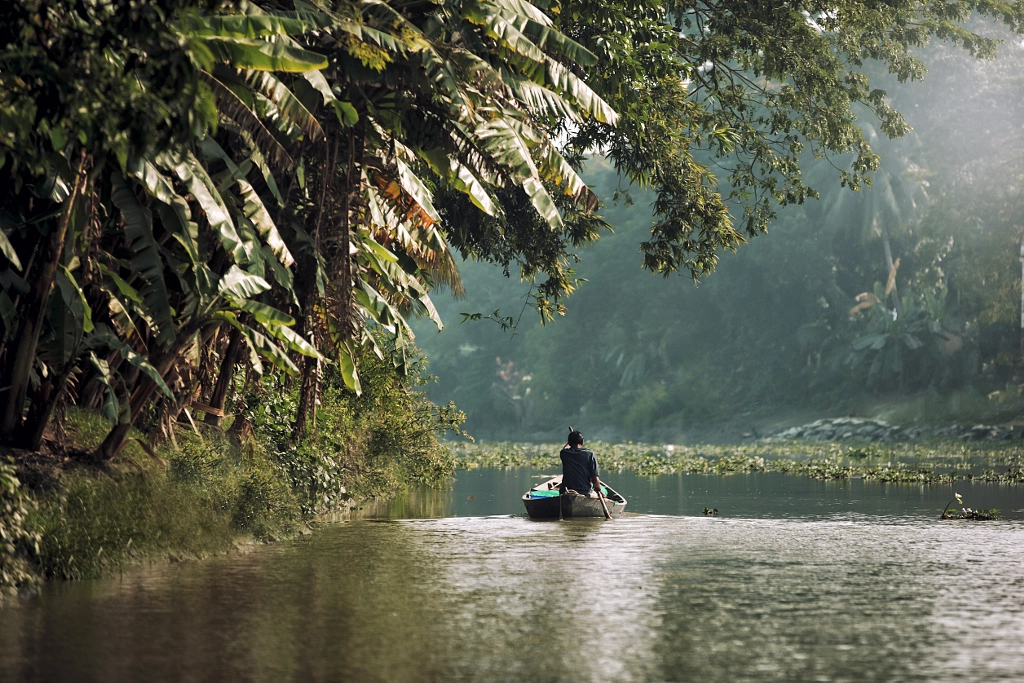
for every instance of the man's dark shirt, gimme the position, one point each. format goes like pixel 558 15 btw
pixel 578 466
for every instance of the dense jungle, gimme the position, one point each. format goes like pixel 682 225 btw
pixel 225 225
pixel 900 301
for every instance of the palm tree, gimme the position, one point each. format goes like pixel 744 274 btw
pixel 329 123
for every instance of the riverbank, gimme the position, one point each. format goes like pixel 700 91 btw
pixel 70 518
pixel 934 461
pixel 208 493
pixel 208 490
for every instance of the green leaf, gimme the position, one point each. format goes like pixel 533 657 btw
pixel 8 250
pixel 522 8
pixel 264 314
pixel 122 286
pixel 542 201
pixel 411 183
pixel 58 139
pixel 260 55
pixel 254 356
pixel 264 25
pixel 283 276
pixel 155 183
pixel 238 113
pixel 240 285
pixel 293 341
pixel 349 372
pixel 202 187
pixel 289 107
pixel 380 250
pixel 461 178
pixel 347 114
pixel 571 85
pixel 145 257
pixel 549 38
pixel 111 408
pixel 502 30
pixel 541 101
pixel 268 349
pixel 555 169
pixel 120 317
pixel 72 292
pixel 320 84
pixel 258 160
pixel 256 212
pixel 105 336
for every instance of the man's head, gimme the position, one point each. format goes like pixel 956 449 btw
pixel 575 439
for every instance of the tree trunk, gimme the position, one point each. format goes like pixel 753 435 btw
pixel 144 392
pixel 227 373
pixel 310 387
pixel 309 392
pixel 41 411
pixel 19 368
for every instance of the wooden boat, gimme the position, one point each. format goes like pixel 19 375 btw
pixel 542 502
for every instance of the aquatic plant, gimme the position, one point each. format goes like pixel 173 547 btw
pixel 966 512
pixel 918 463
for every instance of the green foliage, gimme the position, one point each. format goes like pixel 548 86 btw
pixel 901 346
pixel 19 545
pixel 99 524
pixel 804 320
pixel 91 522
pixel 966 512
pixel 297 172
pixel 368 445
pixel 264 506
pixel 935 462
pixel 115 77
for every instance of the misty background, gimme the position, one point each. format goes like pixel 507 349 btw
pixel 899 301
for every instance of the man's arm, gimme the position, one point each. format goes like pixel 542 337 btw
pixel 596 481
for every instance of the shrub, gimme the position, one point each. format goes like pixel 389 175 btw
pixel 366 446
pixel 18 544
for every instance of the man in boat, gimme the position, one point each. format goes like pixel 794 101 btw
pixel 579 467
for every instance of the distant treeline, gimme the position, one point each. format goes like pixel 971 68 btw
pixel 902 298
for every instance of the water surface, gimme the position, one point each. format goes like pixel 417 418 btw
pixel 796 581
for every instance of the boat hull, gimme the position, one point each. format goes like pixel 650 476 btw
pixel 574 506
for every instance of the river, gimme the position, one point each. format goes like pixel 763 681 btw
pixel 795 580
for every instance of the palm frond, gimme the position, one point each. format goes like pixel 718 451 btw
pixel 289 106
pixel 232 107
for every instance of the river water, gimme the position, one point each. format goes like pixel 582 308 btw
pixel 795 580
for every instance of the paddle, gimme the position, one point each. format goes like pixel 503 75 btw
pixel 600 495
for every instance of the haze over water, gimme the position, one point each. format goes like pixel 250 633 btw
pixel 797 580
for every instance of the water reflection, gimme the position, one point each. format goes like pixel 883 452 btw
pixel 770 495
pixel 816 593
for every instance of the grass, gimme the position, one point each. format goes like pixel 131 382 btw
pixel 931 462
pixel 62 515
pixel 208 495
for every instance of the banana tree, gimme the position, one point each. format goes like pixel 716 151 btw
pixel 240 226
pixel 901 346
pixel 466 96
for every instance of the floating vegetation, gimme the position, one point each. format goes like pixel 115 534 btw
pixel 966 512
pixel 935 462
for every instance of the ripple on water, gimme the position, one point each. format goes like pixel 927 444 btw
pixel 643 598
